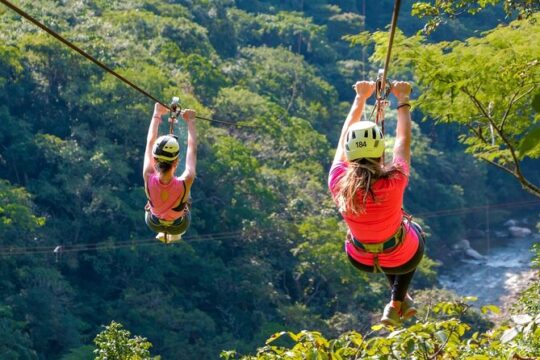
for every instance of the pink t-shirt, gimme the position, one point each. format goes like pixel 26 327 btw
pixel 164 197
pixel 381 218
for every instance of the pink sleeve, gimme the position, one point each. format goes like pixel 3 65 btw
pixel 336 172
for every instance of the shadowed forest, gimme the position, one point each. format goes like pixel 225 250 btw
pixel 264 253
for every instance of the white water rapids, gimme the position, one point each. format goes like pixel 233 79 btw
pixel 506 272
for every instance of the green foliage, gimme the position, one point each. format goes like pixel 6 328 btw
pixel 72 140
pixel 441 10
pixel 426 339
pixel 486 85
pixel 115 343
pixel 17 216
pixel 85 352
pixel 15 344
pixel 529 300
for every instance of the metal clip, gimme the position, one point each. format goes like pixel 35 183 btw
pixel 176 109
pixel 380 92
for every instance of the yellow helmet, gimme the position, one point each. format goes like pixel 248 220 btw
pixel 364 140
pixel 166 148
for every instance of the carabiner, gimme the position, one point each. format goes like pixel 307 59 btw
pixel 379 91
pixel 176 109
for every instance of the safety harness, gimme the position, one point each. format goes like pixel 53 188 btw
pixel 385 246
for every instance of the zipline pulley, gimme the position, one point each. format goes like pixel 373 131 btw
pixel 382 90
pixel 380 83
pixel 175 112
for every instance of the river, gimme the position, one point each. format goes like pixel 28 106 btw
pixel 506 271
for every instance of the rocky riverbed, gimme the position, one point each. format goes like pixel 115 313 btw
pixel 496 278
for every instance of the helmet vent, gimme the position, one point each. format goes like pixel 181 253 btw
pixel 354 134
pixel 374 133
pixel 366 134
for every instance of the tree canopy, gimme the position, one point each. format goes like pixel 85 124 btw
pixel 264 252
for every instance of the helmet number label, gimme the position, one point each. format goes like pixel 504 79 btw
pixel 361 143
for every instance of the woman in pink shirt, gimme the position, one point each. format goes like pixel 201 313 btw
pixel 167 211
pixel 369 195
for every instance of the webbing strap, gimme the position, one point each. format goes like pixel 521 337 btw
pixel 376 265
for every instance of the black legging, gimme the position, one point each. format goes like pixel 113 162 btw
pixel 399 277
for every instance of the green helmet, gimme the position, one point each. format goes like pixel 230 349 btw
pixel 364 140
pixel 166 148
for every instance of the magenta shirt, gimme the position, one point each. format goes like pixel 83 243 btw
pixel 164 197
pixel 381 218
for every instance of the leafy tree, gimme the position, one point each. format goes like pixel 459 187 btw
pixel 486 85
pixel 116 343
pixel 425 339
pixel 442 9
pixel 72 139
pixel 15 344
pixel 17 217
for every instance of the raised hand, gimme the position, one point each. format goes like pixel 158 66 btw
pixel 364 89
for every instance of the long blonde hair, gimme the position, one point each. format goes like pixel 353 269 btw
pixel 358 178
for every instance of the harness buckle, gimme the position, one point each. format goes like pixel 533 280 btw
pixel 374 248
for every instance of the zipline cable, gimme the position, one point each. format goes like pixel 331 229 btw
pixel 99 63
pixel 381 90
pixel 75 248
pixel 211 236
pixel 8 251
pixel 393 26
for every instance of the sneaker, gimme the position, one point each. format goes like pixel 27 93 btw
pixel 408 309
pixel 173 238
pixel 390 316
pixel 162 237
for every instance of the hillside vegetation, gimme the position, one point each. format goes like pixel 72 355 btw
pixel 264 252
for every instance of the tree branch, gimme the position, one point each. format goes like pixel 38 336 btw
pixel 515 99
pixel 515 159
pixel 525 184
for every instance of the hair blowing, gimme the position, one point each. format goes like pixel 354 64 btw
pixel 358 178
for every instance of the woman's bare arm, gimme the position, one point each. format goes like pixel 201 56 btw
pixel 153 131
pixel 402 146
pixel 364 89
pixel 191 153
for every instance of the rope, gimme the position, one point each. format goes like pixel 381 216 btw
pixel 12 251
pixel 381 89
pixel 99 63
pixel 393 26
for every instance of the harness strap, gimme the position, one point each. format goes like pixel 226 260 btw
pixel 182 204
pixel 376 265
pixel 383 246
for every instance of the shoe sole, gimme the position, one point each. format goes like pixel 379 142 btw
pixel 390 322
pixel 411 312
